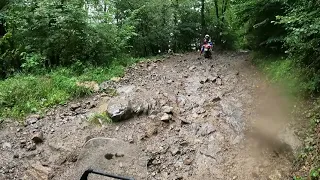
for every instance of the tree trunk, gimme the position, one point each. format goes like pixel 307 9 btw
pixel 224 9
pixel 217 9
pixel 203 22
pixel 2 29
pixel 175 20
pixel 105 7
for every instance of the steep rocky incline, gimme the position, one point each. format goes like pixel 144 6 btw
pixel 183 117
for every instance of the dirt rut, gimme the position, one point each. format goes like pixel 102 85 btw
pixel 226 124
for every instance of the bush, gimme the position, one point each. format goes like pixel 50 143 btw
pixel 256 17
pixel 303 39
pixel 50 33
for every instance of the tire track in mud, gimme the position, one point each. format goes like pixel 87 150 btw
pixel 214 104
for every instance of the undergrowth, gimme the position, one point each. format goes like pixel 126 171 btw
pixel 283 72
pixel 26 93
pixel 100 118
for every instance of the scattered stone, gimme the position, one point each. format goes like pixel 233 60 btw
pixel 309 115
pixel 276 175
pixel 16 155
pixel 19 130
pixel 119 109
pixel 167 109
pixel 150 68
pixel 31 147
pixel 195 115
pixel 72 157
pixel 192 68
pixel 91 105
pixel 265 163
pixel 201 111
pixel 139 107
pixel 35 126
pixel 219 81
pixel 204 80
pixel 178 178
pixel 234 177
pixel 6 146
pixel 32 119
pixel 151 130
pixel 206 129
pixel 166 117
pixel 152 117
pixel 163 102
pixel 37 137
pixel 38 172
pixel 23 143
pixel 169 81
pixel 212 78
pixel 216 99
pixel 117 128
pixel 174 150
pixel 130 140
pixel 187 161
pixel 185 121
pixel 75 106
pixel 115 79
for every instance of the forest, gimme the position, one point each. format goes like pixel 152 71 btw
pixel 75 38
pixel 41 35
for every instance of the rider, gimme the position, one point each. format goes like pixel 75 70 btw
pixel 205 41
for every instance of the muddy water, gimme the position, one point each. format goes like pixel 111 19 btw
pixel 226 124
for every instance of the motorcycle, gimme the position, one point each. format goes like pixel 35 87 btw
pixel 207 49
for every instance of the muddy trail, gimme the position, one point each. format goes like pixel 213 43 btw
pixel 186 118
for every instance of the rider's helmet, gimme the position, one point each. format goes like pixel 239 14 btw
pixel 206 39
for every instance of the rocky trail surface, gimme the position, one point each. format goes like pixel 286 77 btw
pixel 182 117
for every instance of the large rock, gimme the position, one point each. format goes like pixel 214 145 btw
pixel 119 109
pixel 6 146
pixel 166 117
pixel 167 109
pixel 37 137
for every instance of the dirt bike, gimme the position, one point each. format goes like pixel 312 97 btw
pixel 100 155
pixel 207 50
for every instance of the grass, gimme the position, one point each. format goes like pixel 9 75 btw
pixel 23 94
pixel 283 72
pixel 100 118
